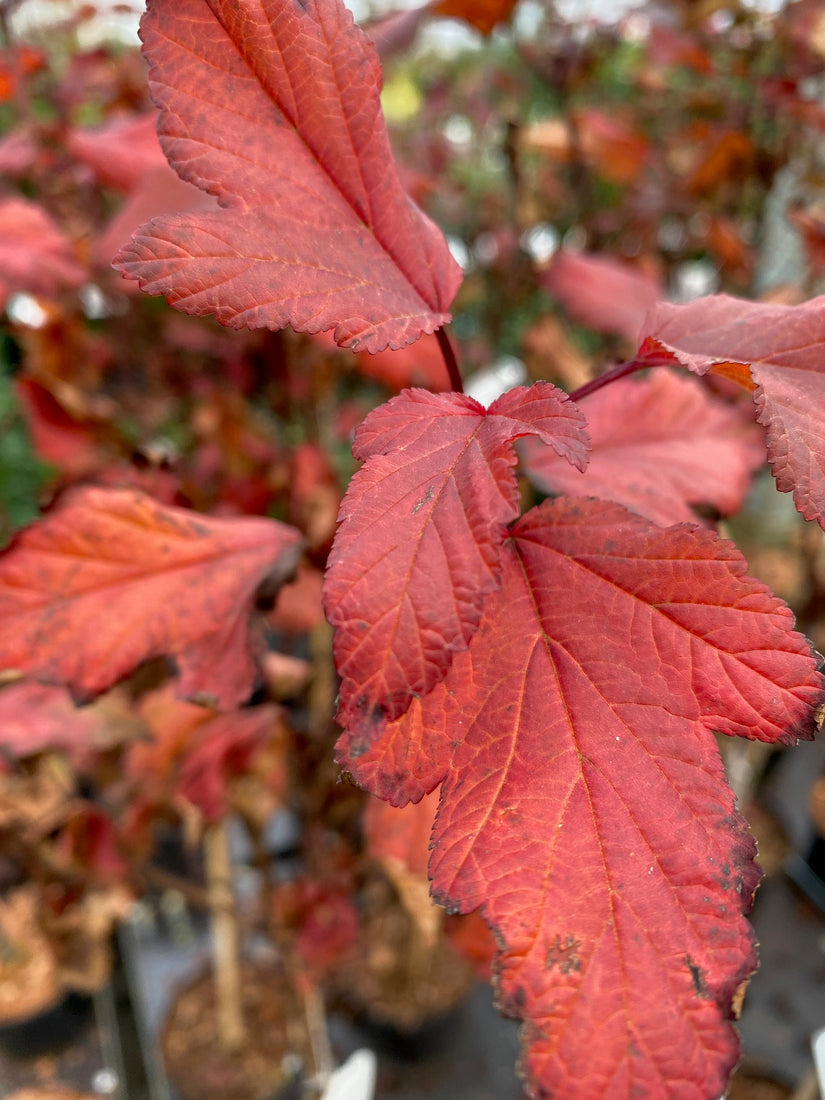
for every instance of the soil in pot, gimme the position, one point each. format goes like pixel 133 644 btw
pixel 276 1039
pixel 395 978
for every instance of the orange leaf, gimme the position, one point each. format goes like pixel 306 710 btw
pixel 111 578
pixel 484 15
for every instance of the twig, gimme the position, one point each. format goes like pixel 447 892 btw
pixel 622 370
pixel 225 937
pixel 317 1030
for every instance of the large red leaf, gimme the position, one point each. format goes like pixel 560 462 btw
pixel 274 107
pixel 585 807
pixel 420 535
pixel 111 578
pixel 660 444
pixel 782 349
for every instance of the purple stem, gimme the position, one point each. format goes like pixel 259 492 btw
pixel 621 370
pixel 450 360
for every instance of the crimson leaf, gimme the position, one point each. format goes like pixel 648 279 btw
pixel 780 350
pixel 660 444
pixel 110 578
pixel 420 535
pixel 274 107
pixel 584 805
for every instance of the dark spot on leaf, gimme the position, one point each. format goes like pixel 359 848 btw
pixel 563 954
pixel 512 1004
pixel 699 983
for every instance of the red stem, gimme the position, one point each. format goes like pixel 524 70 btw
pixel 621 370
pixel 450 360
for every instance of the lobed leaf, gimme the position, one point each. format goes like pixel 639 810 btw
pixel 402 760
pixel 776 350
pixel 273 106
pixel 585 807
pixel 660 445
pixel 111 578
pixel 420 535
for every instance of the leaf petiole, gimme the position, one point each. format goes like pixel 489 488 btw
pixel 450 361
pixel 621 370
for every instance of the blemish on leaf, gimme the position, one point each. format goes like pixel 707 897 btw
pixel 563 954
pixel 699 983
pixel 419 504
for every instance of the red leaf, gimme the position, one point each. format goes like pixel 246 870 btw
pixel 660 444
pixel 300 607
pixel 400 835
pixel 484 15
pixel 326 920
pixel 74 446
pixel 19 151
pixel 158 191
pixel 403 760
pixel 111 578
pixel 316 230
pixel 781 349
pixel 586 809
pixel 420 364
pixel 34 255
pixel 89 841
pixel 421 529
pixel 38 717
pixel 222 750
pixel 173 723
pixel 121 151
pixel 601 292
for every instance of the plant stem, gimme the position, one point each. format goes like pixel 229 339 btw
pixel 621 370
pixel 450 360
pixel 225 937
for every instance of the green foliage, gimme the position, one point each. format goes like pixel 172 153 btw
pixel 22 474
